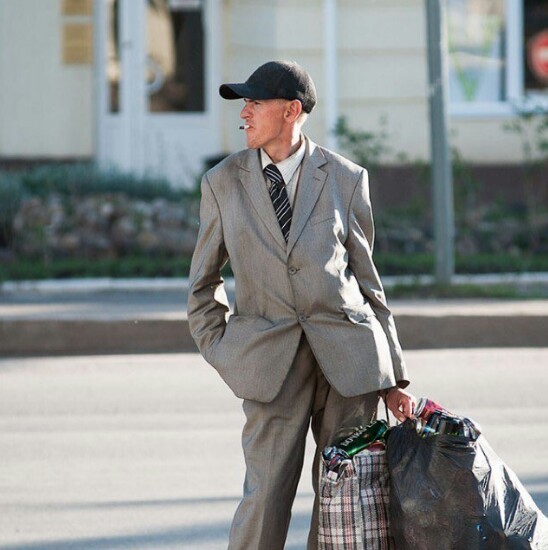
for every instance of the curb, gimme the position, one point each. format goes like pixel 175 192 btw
pixel 93 337
pixel 424 327
pixel 75 337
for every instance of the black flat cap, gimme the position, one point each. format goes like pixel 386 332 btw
pixel 275 80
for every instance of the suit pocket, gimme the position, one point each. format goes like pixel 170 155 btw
pixel 322 217
pixel 358 312
pixel 242 331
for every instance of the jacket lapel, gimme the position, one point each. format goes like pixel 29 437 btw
pixel 251 176
pixel 311 182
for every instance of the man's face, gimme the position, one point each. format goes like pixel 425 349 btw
pixel 264 122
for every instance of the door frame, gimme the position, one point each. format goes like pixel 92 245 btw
pixel 129 125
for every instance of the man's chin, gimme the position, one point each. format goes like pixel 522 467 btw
pixel 252 144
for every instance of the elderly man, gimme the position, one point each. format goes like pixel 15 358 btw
pixel 311 341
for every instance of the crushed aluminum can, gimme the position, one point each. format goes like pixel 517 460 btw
pixel 334 459
pixel 433 419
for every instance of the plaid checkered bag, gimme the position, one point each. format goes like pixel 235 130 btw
pixel 354 513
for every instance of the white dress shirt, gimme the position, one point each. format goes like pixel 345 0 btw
pixel 290 168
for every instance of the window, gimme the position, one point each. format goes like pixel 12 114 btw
pixel 113 55
pixel 175 56
pixel 498 54
pixel 476 50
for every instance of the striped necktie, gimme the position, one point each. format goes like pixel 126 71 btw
pixel 279 197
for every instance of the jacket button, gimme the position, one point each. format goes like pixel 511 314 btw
pixel 292 270
pixel 302 318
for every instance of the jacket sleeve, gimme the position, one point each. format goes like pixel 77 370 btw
pixel 207 301
pixel 359 245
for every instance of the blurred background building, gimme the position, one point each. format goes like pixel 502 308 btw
pixel 133 83
pixel 110 113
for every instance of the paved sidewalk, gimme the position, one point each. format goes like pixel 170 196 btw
pixel 142 452
pixel 140 316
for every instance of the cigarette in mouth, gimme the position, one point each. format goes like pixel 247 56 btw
pixel 244 127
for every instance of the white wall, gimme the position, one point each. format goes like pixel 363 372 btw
pixel 484 140
pixel 382 59
pixel 383 70
pixel 257 31
pixel 381 62
pixel 45 107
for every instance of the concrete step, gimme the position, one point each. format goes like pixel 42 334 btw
pixel 143 321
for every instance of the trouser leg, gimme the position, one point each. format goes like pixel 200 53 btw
pixel 332 411
pixel 273 440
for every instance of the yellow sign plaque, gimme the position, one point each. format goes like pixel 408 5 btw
pixel 77 43
pixel 77 7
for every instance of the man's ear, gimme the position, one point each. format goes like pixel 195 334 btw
pixel 293 110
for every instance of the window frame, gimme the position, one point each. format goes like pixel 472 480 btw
pixel 516 99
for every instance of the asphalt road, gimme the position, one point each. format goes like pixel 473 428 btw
pixel 143 451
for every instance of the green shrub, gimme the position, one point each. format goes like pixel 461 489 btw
pixel 84 179
pixel 11 194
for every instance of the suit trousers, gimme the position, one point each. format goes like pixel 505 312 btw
pixel 273 440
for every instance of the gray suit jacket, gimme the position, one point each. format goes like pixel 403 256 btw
pixel 322 283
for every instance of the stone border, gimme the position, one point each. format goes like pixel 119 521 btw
pixel 182 283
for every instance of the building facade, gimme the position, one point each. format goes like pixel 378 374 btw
pixel 133 83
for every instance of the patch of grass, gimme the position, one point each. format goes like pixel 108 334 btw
pixel 501 263
pixel 404 264
pixel 83 268
pixel 126 267
pixel 420 264
pixel 495 291
pixel 141 266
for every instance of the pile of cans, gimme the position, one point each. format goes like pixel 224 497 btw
pixel 348 444
pixel 432 419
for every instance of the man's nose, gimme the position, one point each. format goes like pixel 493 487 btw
pixel 245 111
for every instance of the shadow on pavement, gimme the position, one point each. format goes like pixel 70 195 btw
pixel 211 536
pixel 160 503
pixel 176 537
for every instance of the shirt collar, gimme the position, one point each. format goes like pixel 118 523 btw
pixel 288 166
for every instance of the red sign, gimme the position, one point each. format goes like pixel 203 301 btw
pixel 538 55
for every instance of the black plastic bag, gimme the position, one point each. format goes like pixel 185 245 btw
pixel 448 492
